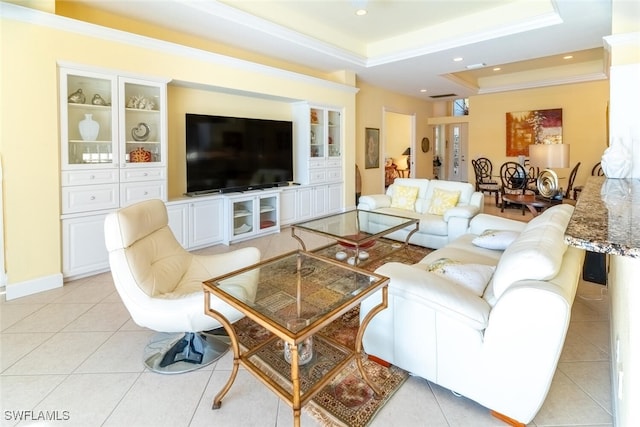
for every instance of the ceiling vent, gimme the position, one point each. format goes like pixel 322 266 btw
pixel 445 95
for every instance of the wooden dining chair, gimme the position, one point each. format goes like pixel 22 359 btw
pixel 485 183
pixel 572 178
pixel 595 171
pixel 514 180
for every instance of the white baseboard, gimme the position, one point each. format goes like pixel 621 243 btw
pixel 29 287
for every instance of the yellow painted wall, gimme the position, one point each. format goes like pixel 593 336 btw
pixel 584 107
pixel 371 102
pixel 185 100
pixel 29 138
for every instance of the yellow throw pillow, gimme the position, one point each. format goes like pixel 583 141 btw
pixel 404 197
pixel 442 200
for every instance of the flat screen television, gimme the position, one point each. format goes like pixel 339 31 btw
pixel 227 154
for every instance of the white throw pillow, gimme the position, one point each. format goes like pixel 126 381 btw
pixel 473 277
pixel 495 239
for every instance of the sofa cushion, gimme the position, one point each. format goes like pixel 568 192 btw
pixel 536 254
pixel 495 239
pixel 404 197
pixel 473 277
pixel 441 200
pixel 466 191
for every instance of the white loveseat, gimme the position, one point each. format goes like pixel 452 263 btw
pixel 435 230
pixel 498 346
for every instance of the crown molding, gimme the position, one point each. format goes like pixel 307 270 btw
pixel 536 22
pixel 244 19
pixel 544 83
pixel 625 39
pixel 61 23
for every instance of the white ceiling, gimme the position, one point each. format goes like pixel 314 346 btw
pixel 405 45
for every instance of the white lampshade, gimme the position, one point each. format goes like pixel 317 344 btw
pixel 549 155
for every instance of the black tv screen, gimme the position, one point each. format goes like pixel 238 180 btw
pixel 236 154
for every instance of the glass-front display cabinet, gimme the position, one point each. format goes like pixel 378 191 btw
pixel 89 120
pixel 142 124
pixel 316 134
pixel 334 130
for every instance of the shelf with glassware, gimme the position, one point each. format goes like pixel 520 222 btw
pixel 98 172
pixel 318 138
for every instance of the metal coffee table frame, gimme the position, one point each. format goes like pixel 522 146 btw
pixel 347 227
pixel 294 395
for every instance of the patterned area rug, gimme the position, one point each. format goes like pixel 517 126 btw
pixel 347 401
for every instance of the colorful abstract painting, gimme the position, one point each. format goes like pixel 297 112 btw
pixel 532 127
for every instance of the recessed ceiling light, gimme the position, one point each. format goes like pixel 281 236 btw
pixel 497 69
pixel 423 90
pixel 458 59
pixel 361 12
pixel 567 57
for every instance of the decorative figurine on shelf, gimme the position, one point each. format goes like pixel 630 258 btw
pixel 314 117
pixel 98 100
pixel 77 97
pixel 141 132
pixel 140 102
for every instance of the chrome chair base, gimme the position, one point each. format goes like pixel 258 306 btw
pixel 171 353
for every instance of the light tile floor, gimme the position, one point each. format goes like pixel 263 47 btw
pixel 75 350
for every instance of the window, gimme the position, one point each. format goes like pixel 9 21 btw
pixel 461 107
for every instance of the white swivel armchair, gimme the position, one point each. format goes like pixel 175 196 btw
pixel 160 283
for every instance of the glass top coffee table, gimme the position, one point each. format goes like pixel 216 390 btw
pixel 358 229
pixel 294 297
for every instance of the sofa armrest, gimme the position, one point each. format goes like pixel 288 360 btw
pixel 437 293
pixel 374 201
pixel 461 212
pixel 477 199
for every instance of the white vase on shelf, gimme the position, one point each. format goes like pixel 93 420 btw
pixel 89 128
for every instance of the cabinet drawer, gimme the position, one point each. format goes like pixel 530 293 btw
pixel 317 176
pixel 334 174
pixel 89 198
pixel 141 174
pixel 334 163
pixel 104 176
pixel 137 191
pixel 317 163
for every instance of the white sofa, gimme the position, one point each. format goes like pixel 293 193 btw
pixel 435 230
pixel 498 344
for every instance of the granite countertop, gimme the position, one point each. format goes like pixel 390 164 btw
pixel 607 217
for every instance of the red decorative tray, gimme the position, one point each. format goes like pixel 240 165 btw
pixel 355 237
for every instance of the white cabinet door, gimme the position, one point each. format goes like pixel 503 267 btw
pixel 206 220
pixel 288 200
pixel 305 206
pixel 179 222
pixel 334 198
pixel 320 206
pixel 84 251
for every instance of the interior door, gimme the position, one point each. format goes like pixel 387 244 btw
pixel 458 147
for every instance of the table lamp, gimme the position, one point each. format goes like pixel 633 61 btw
pixel 549 156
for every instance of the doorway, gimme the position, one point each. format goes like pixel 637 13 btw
pixel 457 147
pixel 398 137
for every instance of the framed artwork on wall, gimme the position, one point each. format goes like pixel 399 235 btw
pixel 372 148
pixel 532 127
